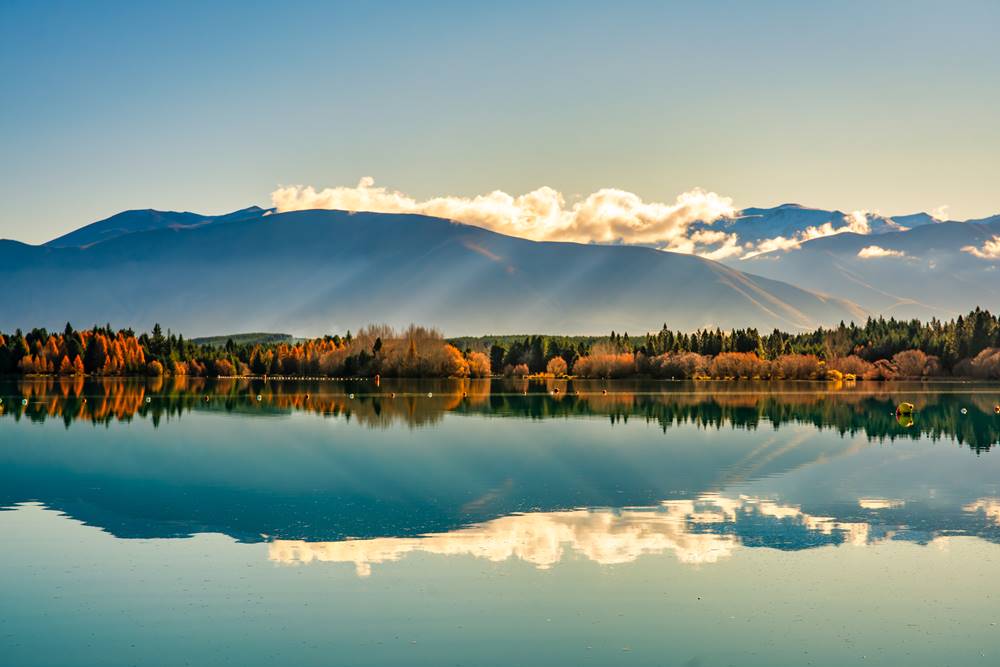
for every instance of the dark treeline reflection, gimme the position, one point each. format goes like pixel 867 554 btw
pixel 867 408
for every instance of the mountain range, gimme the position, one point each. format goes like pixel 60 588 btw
pixel 322 271
pixel 905 266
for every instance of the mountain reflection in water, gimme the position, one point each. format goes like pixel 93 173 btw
pixel 363 474
pixel 695 532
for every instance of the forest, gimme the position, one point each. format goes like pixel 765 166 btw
pixel 880 349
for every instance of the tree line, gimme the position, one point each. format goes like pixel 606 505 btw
pixel 880 349
pixel 415 352
pixel 968 346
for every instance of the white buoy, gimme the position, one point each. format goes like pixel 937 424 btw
pixel 965 411
pixel 258 398
pixel 350 396
pixel 430 395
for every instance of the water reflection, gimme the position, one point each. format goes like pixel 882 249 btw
pixel 700 531
pixel 988 507
pixel 506 470
pixel 866 408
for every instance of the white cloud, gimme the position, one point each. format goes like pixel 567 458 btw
pixel 877 252
pixel 990 249
pixel 940 213
pixel 855 222
pixel 606 216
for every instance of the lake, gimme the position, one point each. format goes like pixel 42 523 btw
pixel 502 522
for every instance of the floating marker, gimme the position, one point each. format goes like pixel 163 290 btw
pixel 996 409
pixel 392 395
pixel 965 411
pixel 430 395
pixel 149 400
pixel 258 398
pixel 604 391
pixel 350 396
pixel 24 401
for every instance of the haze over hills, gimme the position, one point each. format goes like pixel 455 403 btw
pixel 321 271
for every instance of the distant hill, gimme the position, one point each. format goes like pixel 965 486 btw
pixel 922 272
pixel 792 220
pixel 245 339
pixel 130 222
pixel 321 271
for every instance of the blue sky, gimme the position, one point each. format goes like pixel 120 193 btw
pixel 210 106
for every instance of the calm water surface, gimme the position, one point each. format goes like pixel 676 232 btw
pixel 498 523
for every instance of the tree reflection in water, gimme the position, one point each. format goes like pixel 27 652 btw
pixel 864 408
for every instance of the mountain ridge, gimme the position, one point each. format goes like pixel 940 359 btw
pixel 331 270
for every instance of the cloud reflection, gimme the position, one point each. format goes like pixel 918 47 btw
pixel 695 531
pixel 990 507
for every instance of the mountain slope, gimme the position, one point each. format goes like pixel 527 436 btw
pixel 312 272
pixel 922 272
pixel 793 221
pixel 129 222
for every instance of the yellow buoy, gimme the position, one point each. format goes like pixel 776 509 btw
pixel 904 409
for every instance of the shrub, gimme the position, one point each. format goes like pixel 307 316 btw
pixel 881 370
pixel 985 365
pixel 556 366
pixel 224 367
pixel 447 361
pixel 799 366
pixel 735 365
pixel 479 365
pixel 606 365
pixel 518 371
pixel 850 365
pixel 681 365
pixel 915 364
